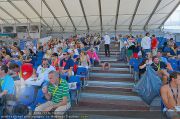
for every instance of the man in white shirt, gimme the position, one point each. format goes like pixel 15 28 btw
pixel 44 69
pixel 107 44
pixel 146 45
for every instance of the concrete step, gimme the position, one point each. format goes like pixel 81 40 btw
pixel 94 113
pixel 110 75
pixel 108 59
pixel 111 50
pixel 110 87
pixel 108 101
pixel 116 64
pixel 94 78
pixel 111 70
pixel 112 53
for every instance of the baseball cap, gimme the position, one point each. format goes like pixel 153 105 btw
pixel 27 70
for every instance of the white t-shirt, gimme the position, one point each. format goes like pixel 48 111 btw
pixel 107 39
pixel 76 52
pixel 43 72
pixel 146 43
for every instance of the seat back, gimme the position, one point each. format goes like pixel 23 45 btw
pixel 174 64
pixel 82 71
pixel 26 95
pixel 74 83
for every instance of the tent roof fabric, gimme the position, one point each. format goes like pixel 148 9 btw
pixel 93 15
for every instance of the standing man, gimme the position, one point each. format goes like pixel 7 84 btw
pixel 170 96
pixel 107 44
pixel 146 45
pixel 154 45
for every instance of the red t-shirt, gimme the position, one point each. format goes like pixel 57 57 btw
pixel 154 43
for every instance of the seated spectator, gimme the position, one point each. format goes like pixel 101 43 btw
pixel 173 50
pixel 160 68
pixel 47 55
pixel 84 60
pixel 164 59
pixel 60 52
pixel 170 43
pixel 93 56
pixel 76 63
pixel 1 62
pixel 6 82
pixel 169 94
pixel 55 61
pixel 27 58
pixel 14 71
pixel 75 50
pixel 44 69
pixel 106 66
pixel 57 94
pixel 149 56
pixel 142 67
pixel 7 60
pixel 66 65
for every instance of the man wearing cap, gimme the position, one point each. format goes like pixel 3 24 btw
pixel 106 44
pixel 67 64
pixel 28 76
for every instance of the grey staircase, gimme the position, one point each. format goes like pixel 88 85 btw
pixel 109 93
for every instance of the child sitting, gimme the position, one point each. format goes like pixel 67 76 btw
pixel 106 66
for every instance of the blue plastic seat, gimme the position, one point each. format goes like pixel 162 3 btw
pixel 74 87
pixel 82 72
pixel 26 95
pixel 174 64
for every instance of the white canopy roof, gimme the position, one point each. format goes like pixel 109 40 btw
pixel 93 15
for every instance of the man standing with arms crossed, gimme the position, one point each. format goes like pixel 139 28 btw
pixel 107 44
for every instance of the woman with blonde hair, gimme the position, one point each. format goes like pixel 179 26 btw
pixel 84 59
pixel 48 55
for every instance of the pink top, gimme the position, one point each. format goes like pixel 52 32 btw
pixel 92 55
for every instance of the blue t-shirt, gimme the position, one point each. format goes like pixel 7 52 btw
pixel 7 83
pixel 68 63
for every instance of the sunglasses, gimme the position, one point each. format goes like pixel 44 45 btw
pixel 64 54
pixel 45 64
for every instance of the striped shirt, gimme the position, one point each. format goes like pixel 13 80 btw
pixel 59 92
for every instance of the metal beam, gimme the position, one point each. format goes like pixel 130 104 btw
pixel 134 14
pixel 65 8
pixel 82 7
pixel 117 14
pixel 4 20
pixel 100 14
pixel 169 14
pixel 152 13
pixel 18 10
pixel 53 14
pixel 37 13
pixel 9 14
